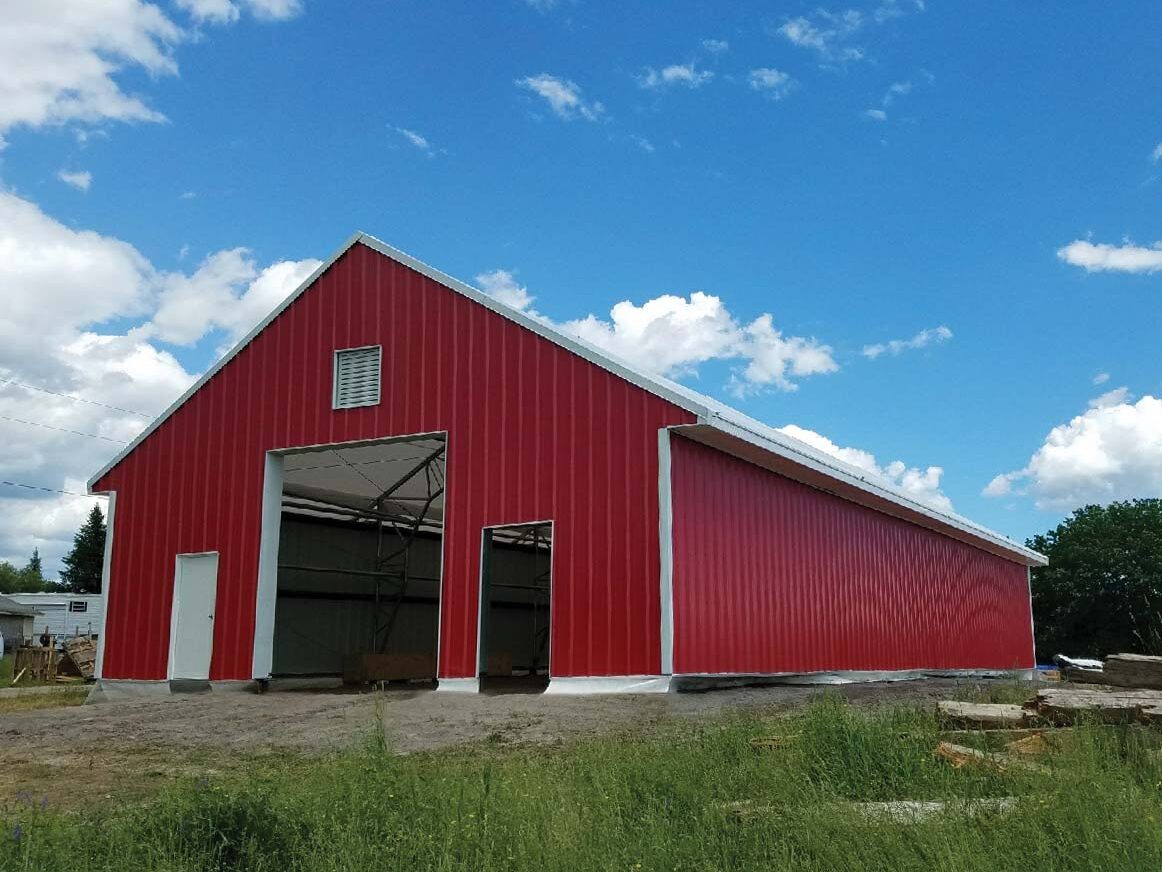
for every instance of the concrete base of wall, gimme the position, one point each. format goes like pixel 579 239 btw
pixel 598 684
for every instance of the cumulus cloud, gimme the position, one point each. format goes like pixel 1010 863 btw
pixel 63 60
pixel 563 96
pixel 503 286
pixel 1103 257
pixel 672 336
pixel 774 83
pixel 876 114
pixel 1112 451
pixel 717 46
pixel 80 180
pixel 922 485
pixel 90 282
pixel 62 57
pixel 1156 154
pixel 676 74
pixel 926 337
pixel 1101 378
pixel 227 292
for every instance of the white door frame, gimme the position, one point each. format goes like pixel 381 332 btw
pixel 175 606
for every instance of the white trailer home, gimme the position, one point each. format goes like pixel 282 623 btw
pixel 63 614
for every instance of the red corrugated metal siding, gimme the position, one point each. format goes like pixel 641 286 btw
pixel 771 575
pixel 534 433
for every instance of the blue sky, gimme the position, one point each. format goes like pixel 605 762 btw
pixel 862 173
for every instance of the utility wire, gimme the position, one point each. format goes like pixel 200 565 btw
pixel 50 490
pixel 62 429
pixel 13 381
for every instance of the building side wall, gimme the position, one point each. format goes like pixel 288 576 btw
pixel 534 433
pixel 773 576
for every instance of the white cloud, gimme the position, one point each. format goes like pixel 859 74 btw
pixel 897 89
pixel 419 141
pixel 80 180
pixel 503 286
pixel 826 34
pixel 1113 451
pixel 675 74
pixel 1156 154
pixel 672 336
pixel 922 485
pixel 85 282
pixel 61 59
pixel 227 292
pixel 1104 257
pixel 642 143
pixel 926 337
pixel 715 46
pixel 229 11
pixel 876 114
pixel 1101 378
pixel 774 83
pixel 563 96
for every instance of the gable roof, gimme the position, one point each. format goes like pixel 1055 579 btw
pixel 710 413
pixel 12 607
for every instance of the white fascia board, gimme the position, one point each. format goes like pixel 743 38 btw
pixel 769 439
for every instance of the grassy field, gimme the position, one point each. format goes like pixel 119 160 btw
pixel 649 802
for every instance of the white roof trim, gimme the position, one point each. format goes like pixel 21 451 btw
pixel 707 410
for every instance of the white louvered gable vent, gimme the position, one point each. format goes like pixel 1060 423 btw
pixel 356 377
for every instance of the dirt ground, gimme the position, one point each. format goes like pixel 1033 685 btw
pixel 123 749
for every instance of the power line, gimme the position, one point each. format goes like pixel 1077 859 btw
pixel 50 490
pixel 62 429
pixel 13 381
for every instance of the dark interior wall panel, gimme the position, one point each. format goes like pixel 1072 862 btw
pixel 773 576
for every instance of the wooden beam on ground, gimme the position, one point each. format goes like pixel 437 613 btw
pixel 982 715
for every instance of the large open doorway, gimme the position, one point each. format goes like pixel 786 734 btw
pixel 516 575
pixel 360 561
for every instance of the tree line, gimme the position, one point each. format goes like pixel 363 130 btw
pixel 82 565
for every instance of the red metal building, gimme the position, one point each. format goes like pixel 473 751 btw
pixel 396 464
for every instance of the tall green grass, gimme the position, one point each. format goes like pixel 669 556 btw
pixel 634 802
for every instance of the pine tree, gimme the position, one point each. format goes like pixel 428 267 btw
pixel 82 572
pixel 34 566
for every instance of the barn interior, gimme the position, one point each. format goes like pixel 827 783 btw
pixel 515 593
pixel 359 561
pixel 359 567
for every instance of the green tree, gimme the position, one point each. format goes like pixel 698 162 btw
pixel 1102 590
pixel 13 580
pixel 82 572
pixel 34 564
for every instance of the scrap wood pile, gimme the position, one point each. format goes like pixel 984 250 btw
pixel 1118 670
pixel 45 665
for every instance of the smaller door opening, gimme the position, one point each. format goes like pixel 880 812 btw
pixel 516 577
pixel 191 643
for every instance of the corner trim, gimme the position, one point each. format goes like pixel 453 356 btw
pixel 106 572
pixel 666 552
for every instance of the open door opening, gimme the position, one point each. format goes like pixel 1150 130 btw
pixel 515 607
pixel 360 560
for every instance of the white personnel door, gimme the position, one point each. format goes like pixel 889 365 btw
pixel 191 642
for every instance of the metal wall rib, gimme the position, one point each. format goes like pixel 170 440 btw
pixel 772 576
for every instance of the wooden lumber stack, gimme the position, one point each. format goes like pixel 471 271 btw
pixel 1133 670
